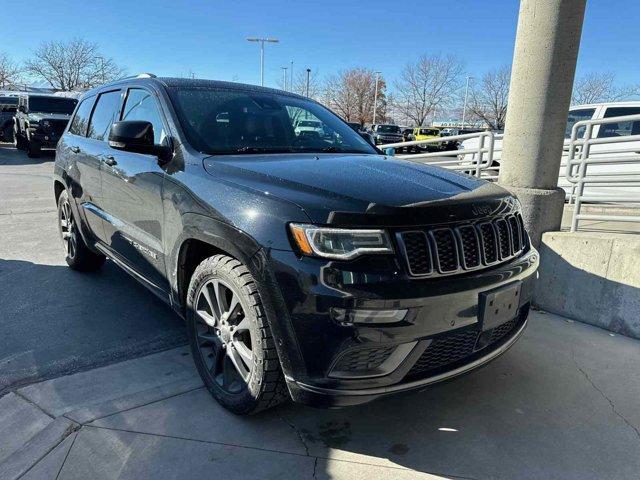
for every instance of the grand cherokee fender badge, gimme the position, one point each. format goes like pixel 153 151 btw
pixel 142 248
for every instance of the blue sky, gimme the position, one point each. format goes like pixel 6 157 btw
pixel 208 37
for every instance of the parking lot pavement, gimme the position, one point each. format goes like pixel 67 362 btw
pixel 53 320
pixel 562 403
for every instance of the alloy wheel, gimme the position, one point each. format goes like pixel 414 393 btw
pixel 68 230
pixel 223 336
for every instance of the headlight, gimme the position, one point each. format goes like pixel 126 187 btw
pixel 339 243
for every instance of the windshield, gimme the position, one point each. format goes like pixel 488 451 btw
pixel 52 105
pixel 388 129
pixel 8 104
pixel 221 121
pixel 577 116
pixel 429 131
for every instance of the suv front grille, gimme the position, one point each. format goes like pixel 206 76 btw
pixel 465 247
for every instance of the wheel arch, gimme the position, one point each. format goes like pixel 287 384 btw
pixel 202 237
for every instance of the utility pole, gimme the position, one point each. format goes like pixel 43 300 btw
pixel 466 94
pixel 284 78
pixel 291 77
pixel 262 42
pixel 308 74
pixel 375 98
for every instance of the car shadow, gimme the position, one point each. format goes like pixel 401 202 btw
pixel 57 321
pixel 11 156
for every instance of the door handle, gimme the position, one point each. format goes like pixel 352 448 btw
pixel 109 160
pixel 75 149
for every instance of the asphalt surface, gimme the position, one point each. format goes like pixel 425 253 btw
pixel 55 321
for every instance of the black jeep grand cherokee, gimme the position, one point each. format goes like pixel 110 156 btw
pixel 308 266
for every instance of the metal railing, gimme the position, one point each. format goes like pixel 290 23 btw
pixel 479 164
pixel 581 156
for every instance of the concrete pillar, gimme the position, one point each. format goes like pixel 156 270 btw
pixel 544 63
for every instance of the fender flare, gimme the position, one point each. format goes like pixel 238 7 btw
pixel 255 258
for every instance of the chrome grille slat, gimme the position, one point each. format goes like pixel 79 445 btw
pixel 441 251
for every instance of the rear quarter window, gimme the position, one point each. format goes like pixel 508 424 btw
pixel 80 120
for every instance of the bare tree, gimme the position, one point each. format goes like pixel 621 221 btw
pixel 488 100
pixel 72 65
pixel 351 93
pixel 9 71
pixel 425 85
pixel 601 87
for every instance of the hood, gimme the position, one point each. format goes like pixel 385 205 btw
pixel 38 116
pixel 363 189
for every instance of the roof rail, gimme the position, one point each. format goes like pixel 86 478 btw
pixel 139 75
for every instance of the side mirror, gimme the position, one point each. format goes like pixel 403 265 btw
pixel 132 136
pixel 137 136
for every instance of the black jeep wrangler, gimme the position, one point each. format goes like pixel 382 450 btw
pixel 8 107
pixel 40 121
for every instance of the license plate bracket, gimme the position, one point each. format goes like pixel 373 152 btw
pixel 499 305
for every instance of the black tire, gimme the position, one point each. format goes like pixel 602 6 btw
pixel 215 328
pixel 33 150
pixel 77 255
pixel 17 141
pixel 7 134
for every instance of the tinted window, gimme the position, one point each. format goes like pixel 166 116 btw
pixel 577 116
pixel 388 129
pixel 140 105
pixel 8 104
pixel 104 115
pixel 81 118
pixel 52 105
pixel 620 129
pixel 227 121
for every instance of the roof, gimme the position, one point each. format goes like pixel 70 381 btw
pixel 171 82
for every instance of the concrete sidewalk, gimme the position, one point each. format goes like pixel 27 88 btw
pixel 562 403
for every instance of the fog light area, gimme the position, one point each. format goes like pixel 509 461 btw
pixel 357 316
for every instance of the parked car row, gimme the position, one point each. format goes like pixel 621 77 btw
pixel 34 122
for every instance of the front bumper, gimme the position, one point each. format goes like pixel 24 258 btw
pixel 440 310
pixel 44 140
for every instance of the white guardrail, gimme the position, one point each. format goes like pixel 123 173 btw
pixel 477 161
pixel 609 167
pixel 619 153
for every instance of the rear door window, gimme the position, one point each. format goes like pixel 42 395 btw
pixel 81 118
pixel 620 129
pixel 104 115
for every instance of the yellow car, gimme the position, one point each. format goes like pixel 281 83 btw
pixel 427 133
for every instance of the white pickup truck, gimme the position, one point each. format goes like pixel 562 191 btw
pixel 587 112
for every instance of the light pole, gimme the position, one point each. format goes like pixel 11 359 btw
pixel 308 74
pixel 375 98
pixel 466 94
pixel 262 41
pixel 284 78
pixel 291 77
